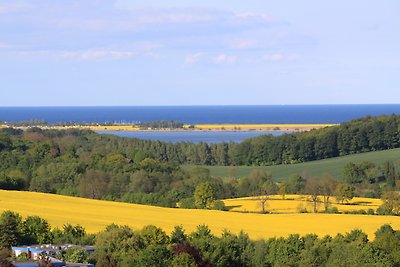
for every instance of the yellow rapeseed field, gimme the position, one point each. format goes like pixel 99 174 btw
pixel 295 203
pixel 94 215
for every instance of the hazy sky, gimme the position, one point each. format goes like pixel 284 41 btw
pixel 170 52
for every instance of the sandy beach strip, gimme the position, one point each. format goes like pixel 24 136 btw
pixel 261 127
pixel 196 127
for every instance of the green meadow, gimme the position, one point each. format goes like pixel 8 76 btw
pixel 332 166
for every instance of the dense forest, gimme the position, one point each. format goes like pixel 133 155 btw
pixel 356 136
pixel 151 246
pixel 83 163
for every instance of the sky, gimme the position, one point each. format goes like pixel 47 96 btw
pixel 172 52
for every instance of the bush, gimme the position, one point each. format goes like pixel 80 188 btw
pixel 187 203
pixel 302 209
pixel 370 212
pixel 219 205
pixel 384 210
pixel 361 212
pixel 332 210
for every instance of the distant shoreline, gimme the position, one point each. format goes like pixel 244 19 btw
pixel 285 128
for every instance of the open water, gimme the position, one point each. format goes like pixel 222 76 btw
pixel 198 115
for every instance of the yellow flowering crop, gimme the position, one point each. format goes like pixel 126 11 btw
pixel 94 215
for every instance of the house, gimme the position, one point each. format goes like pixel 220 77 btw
pixel 51 251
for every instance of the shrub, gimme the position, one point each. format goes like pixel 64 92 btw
pixel 333 210
pixel 187 203
pixel 370 212
pixel 384 210
pixel 362 212
pixel 219 205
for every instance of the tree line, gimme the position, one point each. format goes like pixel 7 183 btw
pixel 163 124
pixel 356 136
pixel 151 246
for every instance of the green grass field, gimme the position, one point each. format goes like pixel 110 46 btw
pixel 333 166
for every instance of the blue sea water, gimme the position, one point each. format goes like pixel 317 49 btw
pixel 192 137
pixel 200 114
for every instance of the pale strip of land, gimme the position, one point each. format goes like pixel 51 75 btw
pixel 197 127
pixel 260 127
pixel 94 215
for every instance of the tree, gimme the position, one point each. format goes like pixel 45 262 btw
pixel 352 173
pixel 183 260
pixel 344 192
pixel 94 184
pixel 178 235
pixel 72 234
pixel 105 260
pixel 296 184
pixel 76 255
pixel 10 224
pixel 358 173
pixel 389 172
pixel 388 240
pixel 314 189
pixel 268 188
pixel 204 195
pixel 115 243
pixel 154 256
pixel 152 235
pixel 36 230
pixel 194 253
pixel 283 189
pixel 391 203
pixel 328 186
pixel 5 256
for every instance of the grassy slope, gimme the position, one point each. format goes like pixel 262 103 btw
pixel 94 215
pixel 333 166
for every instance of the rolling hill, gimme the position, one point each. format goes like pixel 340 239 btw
pixel 332 166
pixel 94 215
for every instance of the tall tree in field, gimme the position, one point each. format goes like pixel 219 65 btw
pixel 296 184
pixel 328 186
pixel 344 192
pixel 267 188
pixel 314 189
pixel 351 173
pixel 283 189
pixel 391 203
pixel 389 171
pixel 204 195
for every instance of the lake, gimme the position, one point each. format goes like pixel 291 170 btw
pixel 189 136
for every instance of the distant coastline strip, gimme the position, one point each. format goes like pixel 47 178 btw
pixel 196 127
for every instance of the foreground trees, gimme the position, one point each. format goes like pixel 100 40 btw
pixel 151 246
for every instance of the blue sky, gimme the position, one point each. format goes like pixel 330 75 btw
pixel 170 52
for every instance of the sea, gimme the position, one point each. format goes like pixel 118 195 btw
pixel 274 114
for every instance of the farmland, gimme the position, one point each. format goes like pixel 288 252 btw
pixel 94 215
pixel 333 166
pixel 294 203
